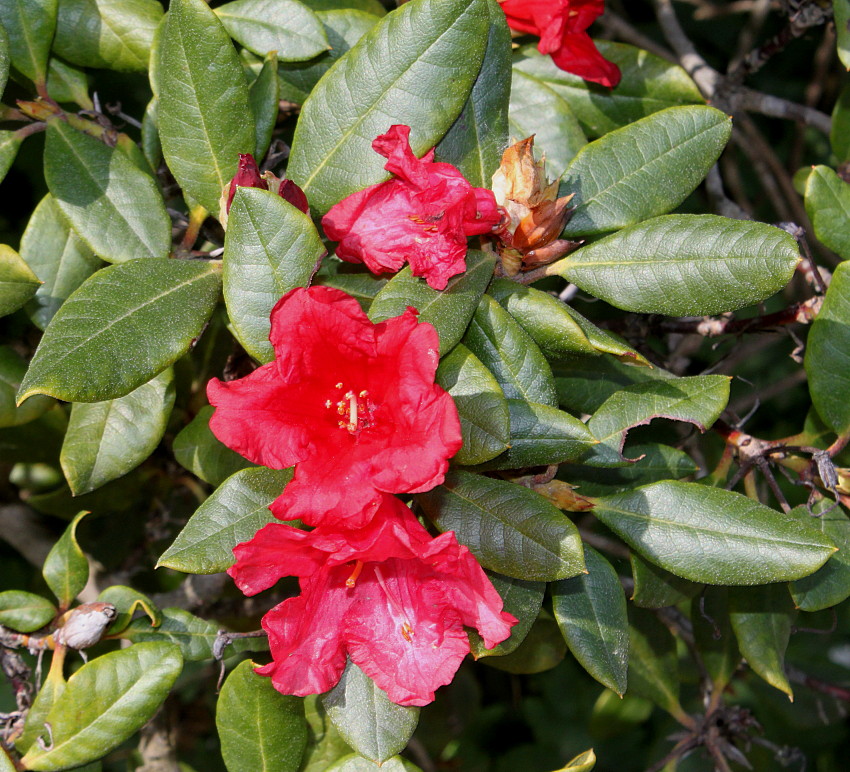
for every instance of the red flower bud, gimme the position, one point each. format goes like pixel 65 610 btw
pixel 248 176
pixel 289 191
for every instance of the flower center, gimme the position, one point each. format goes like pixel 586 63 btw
pixel 356 410
pixel 405 628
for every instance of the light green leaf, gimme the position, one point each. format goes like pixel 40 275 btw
pixel 365 717
pixel 150 144
pixel 288 27
pixel 104 703
pixel 644 169
pixel 5 58
pixel 684 265
pixel 259 728
pixel 109 34
pixel 10 142
pixel 841 9
pixel 113 205
pixel 395 74
pixel 481 405
pixel 523 601
pixel 126 601
pixel 231 515
pixel 59 258
pixel 25 612
pixel 649 84
pixel 66 83
pixel 355 763
pixel 606 342
pixel 204 113
pixel 510 529
pixel 712 535
pixel 17 281
pixel 29 25
pixel 828 207
pixel 367 6
pixel 324 745
pixel 509 353
pixel 270 248
pixel 449 311
pixel 584 762
pixel 99 344
pixel 830 584
pixel 264 96
pixel 591 611
pixel 66 569
pixel 105 440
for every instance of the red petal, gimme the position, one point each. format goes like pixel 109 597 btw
pixel 247 176
pixel 289 191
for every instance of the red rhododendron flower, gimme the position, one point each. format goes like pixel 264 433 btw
pixel 562 27
pixel 422 216
pixel 388 596
pixel 351 404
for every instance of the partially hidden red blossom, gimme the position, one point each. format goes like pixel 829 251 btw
pixel 422 216
pixel 352 404
pixel 388 596
pixel 248 176
pixel 562 27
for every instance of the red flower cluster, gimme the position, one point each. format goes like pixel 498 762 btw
pixel 353 405
pixel 562 27
pixel 422 216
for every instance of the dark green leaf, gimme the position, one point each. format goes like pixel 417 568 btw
pixel 30 25
pixel 475 142
pixel 105 440
pixel 17 281
pixel 287 27
pixel 395 74
pixel 259 728
pixel 25 612
pixel 66 569
pixel 150 143
pixel 541 649
pixel 113 206
pixel 841 9
pixel 649 84
pixel 684 265
pixel 364 287
pixel 761 618
pixel 591 612
pixel 713 636
pixel 59 258
pixel 10 142
pixel 37 441
pixel 523 600
pixel 653 664
pixel 828 354
pixel 204 114
pixel 324 745
pixel 104 703
pixel 510 354
pixel 126 601
pixel 367 6
pixel 366 719
pixel 656 588
pixel 66 83
pixel 5 58
pixel 449 311
pixel 99 344
pixel 712 535
pixel 270 248
pixel 607 342
pixel 264 96
pixel 232 515
pixel 828 207
pixel 510 529
pixel 840 134
pixel 481 405
pixel 830 584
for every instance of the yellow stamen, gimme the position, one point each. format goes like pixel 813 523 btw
pixel 407 632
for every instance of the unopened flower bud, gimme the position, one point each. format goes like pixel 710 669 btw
pixel 85 625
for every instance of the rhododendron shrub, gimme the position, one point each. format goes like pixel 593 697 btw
pixel 434 375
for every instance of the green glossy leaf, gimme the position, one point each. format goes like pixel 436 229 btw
pixel 288 27
pixel 204 113
pixel 197 449
pixel 367 6
pixel 475 141
pixel 510 529
pixel 656 588
pixel 840 135
pixel 481 405
pixel 270 248
pixel 343 28
pixel 616 178
pixel 584 762
pixel 126 601
pixel 104 703
pixel 684 265
pixel 363 287
pixel 649 84
pixel 828 207
pixel 545 318
pixel 49 692
pixel 5 58
pixel 653 664
pixel 259 728
pixel 841 9
pixel 714 637
pixel 66 83
pixel 110 34
pixel 395 74
pixel 324 744
pixel 712 535
pixel 365 717
pixel 105 440
pixel 355 763
pixel 607 342
pixel 230 516
pixel 449 311
pixel 521 599
pixel 25 612
pixel 761 618
pixel 29 25
pixel 10 142
pixel 17 281
pixel 37 441
pixel 830 584
pixel 510 354
pixel 540 436
pixel 113 206
pixel 541 649
pixel 66 568
pixel 537 109
pixel 98 345
pixel 150 143
pixel 264 95
pixel 591 611
pixel 828 354
pixel 59 258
